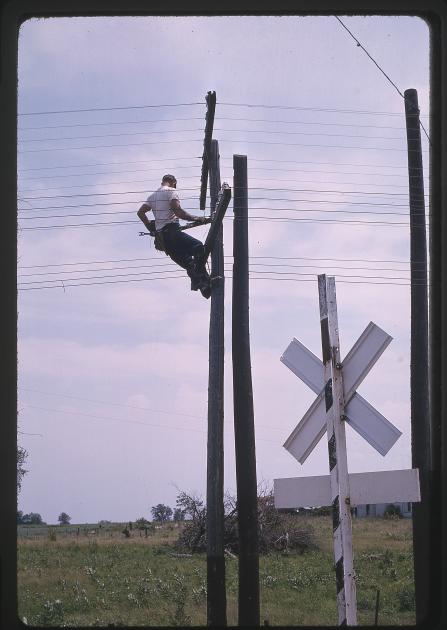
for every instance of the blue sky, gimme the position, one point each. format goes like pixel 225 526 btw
pixel 113 376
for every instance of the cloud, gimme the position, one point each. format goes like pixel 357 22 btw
pixel 145 344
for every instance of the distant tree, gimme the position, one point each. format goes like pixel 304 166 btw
pixel 161 512
pixel 32 519
pixel 19 517
pixel 191 505
pixel 141 523
pixel 64 518
pixel 22 454
pixel 179 514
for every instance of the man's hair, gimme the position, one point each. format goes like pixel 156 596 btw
pixel 168 178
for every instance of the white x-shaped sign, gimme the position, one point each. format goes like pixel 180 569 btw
pixel 362 417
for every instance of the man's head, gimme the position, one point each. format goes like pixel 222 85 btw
pixel 169 180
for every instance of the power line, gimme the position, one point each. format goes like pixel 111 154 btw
pixel 373 60
pixel 263 178
pixel 169 266
pixel 113 404
pixel 197 188
pixel 114 135
pixel 45 168
pixel 325 146
pixel 120 260
pixel 388 166
pixel 382 71
pixel 352 223
pixel 250 120
pixel 68 285
pixel 126 203
pixel 121 420
pixel 249 105
pixel 305 211
pixel 284 144
pixel 123 122
pixel 176 131
pixel 107 109
pixel 96 417
pixel 223 159
pixel 259 271
pixel 109 146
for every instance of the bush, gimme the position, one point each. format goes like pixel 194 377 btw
pixel 277 531
pixel 141 523
pixel 392 511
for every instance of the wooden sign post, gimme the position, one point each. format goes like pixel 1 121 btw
pixel 336 405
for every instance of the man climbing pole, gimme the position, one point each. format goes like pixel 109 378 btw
pixel 183 249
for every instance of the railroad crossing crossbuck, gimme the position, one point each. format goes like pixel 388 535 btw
pixel 338 403
pixel 359 414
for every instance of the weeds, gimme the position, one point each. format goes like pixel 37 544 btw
pixel 406 598
pixel 52 614
pixel 130 582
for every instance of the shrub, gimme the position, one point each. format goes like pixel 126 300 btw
pixel 277 531
pixel 141 523
pixel 52 534
pixel 392 511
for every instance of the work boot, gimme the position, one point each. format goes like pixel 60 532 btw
pixel 206 290
pixel 196 278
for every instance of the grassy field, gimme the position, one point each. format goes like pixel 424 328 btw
pixel 66 578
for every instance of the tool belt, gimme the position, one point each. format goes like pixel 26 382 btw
pixel 159 241
pixel 157 236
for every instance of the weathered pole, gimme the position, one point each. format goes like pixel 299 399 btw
pixel 437 334
pixel 338 458
pixel 216 594
pixel 244 434
pixel 209 126
pixel 420 427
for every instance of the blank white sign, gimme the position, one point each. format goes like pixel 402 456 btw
pixel 387 486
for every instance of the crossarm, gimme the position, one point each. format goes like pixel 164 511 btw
pixel 222 205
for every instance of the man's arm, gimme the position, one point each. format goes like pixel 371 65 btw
pixel 182 214
pixel 142 215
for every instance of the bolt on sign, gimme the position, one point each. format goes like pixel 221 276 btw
pixel 337 404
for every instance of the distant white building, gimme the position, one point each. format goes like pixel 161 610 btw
pixel 378 509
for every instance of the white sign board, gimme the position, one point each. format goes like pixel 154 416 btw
pixel 387 486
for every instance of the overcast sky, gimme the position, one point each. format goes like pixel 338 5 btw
pixel 113 356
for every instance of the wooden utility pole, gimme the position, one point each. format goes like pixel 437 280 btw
pixel 338 459
pixel 216 594
pixel 209 125
pixel 420 420
pixel 244 434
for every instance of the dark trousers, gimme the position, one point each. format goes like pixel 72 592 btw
pixel 185 250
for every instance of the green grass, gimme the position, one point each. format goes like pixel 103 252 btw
pixel 77 580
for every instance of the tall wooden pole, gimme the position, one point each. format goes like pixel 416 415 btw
pixel 420 427
pixel 216 594
pixel 338 459
pixel 437 334
pixel 243 407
